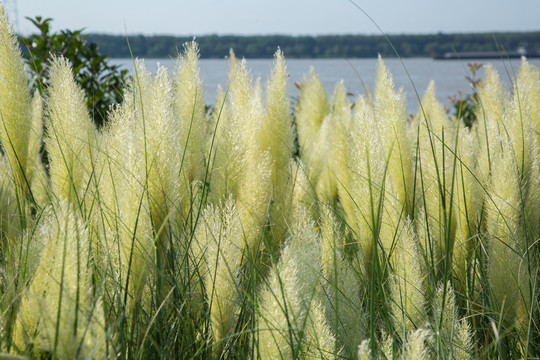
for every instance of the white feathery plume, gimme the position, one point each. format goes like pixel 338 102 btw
pixel 156 133
pixel 15 107
pixel 341 287
pixel 59 312
pixel 312 107
pixel 290 315
pixel 277 137
pixel 128 239
pixel 416 347
pixel 71 138
pixel 407 284
pixel 367 194
pixel 220 236
pixel 190 112
pixel 508 261
pixel 391 119
pixel 437 176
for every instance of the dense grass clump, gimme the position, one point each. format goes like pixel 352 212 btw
pixel 326 229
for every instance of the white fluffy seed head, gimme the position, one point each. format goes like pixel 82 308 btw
pixel 220 233
pixel 254 197
pixel 417 347
pixel 124 211
pixel 71 138
pixel 369 185
pixel 289 302
pixel 508 262
pixel 391 117
pixel 277 135
pixel 237 132
pixel 408 283
pixel 15 108
pixel 341 286
pixel 469 196
pixel 312 107
pixel 59 311
pixel 437 174
pixel 189 102
pixel 156 133
pixel 492 102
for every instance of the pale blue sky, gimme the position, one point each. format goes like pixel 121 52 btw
pixel 306 17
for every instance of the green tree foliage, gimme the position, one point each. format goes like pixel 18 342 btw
pixel 464 104
pixel 102 83
pixel 323 46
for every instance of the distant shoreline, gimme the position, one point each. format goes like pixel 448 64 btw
pixel 324 46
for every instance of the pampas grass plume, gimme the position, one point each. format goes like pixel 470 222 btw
pixel 59 313
pixel 71 138
pixel 15 106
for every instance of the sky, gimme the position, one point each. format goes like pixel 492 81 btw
pixel 291 17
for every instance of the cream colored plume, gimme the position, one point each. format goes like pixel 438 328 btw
pixel 60 312
pixel 15 107
pixel 341 286
pixel 328 159
pixel 437 175
pixel 240 169
pixel 492 102
pixel 156 141
pixel 277 135
pixel 508 261
pixel 71 135
pixel 312 107
pixel 236 132
pixel 367 193
pixel 454 333
pixel 255 192
pixel 290 313
pixel 189 102
pixel 220 236
pixel 227 153
pixel 190 112
pixel 470 195
pixel 9 216
pixel 391 119
pixel 521 126
pixel 417 347
pixel 254 198
pixel 407 286
pixel 127 241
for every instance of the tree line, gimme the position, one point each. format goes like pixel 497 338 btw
pixel 326 46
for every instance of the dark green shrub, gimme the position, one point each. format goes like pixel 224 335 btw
pixel 464 104
pixel 102 82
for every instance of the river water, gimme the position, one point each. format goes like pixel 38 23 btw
pixel 412 74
